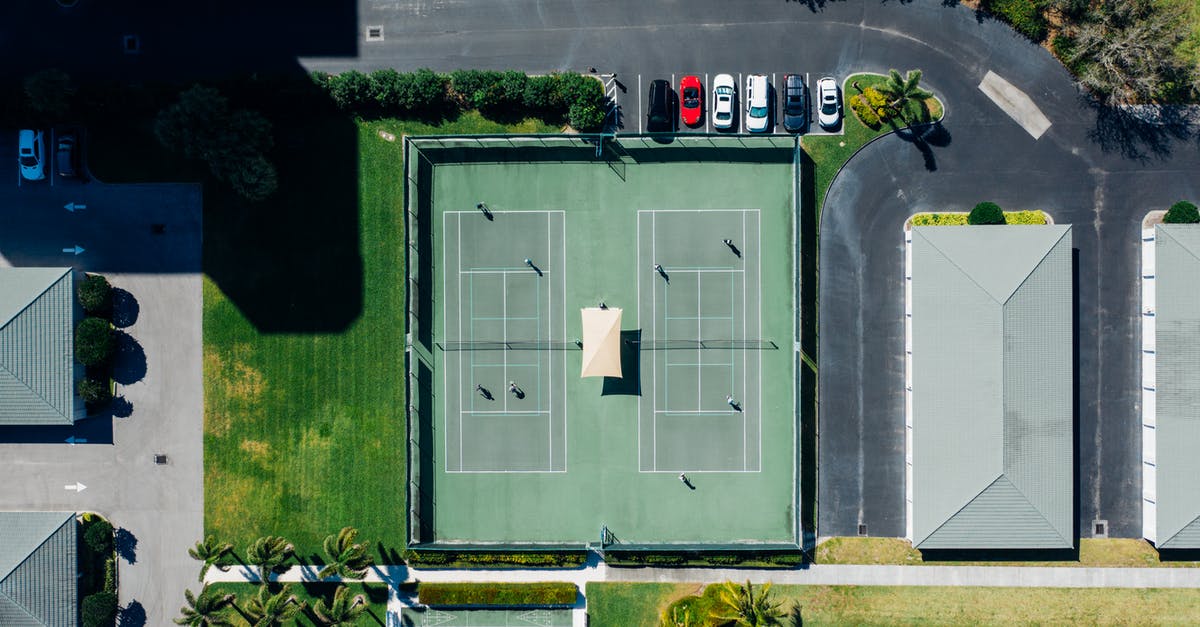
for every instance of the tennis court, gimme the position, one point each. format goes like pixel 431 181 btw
pixel 514 240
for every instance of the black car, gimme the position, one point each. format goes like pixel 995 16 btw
pixel 660 116
pixel 795 103
pixel 66 156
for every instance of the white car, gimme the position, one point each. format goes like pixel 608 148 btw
pixel 31 151
pixel 829 113
pixel 758 103
pixel 724 101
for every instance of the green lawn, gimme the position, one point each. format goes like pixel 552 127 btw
pixel 305 430
pixel 376 595
pixel 1110 552
pixel 614 604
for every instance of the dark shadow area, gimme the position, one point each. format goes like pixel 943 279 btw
pixel 91 430
pixel 1179 555
pixel 925 137
pixel 1141 133
pixel 725 155
pixel 125 308
pixel 630 383
pixel 810 224
pixel 794 613
pixel 423 234
pixel 425 504
pixel 126 545
pixel 1001 555
pixel 388 555
pixel 129 360
pixel 119 407
pixel 132 615
pixel 817 6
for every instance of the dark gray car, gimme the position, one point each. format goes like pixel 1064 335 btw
pixel 795 103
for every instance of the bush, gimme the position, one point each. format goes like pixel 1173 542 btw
pixel 986 213
pixel 586 116
pixel 939 219
pixel 110 574
pixel 574 87
pixel 865 113
pixel 878 103
pixel 426 92
pixel 252 176
pixel 542 94
pixel 1024 217
pixel 474 559
pixel 1024 15
pixel 49 92
pixel 94 341
pixel 99 610
pixel 745 559
pixel 95 294
pixel 1182 212
pixel 99 536
pixel 503 594
pixel 465 83
pixel 351 90
pixel 94 391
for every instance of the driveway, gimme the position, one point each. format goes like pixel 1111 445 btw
pixel 157 508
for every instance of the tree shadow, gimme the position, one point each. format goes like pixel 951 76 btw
pixel 129 360
pixel 816 6
pixel 1142 133
pixel 125 308
pixel 925 137
pixel 119 407
pixel 126 545
pixel 132 615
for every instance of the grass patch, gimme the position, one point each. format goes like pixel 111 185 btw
pixel 1093 552
pixel 866 551
pixel 500 594
pixel 625 604
pixel 304 412
pixel 375 593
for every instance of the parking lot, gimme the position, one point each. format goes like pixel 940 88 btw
pixel 632 101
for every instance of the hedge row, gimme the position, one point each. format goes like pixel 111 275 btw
pixel 1024 15
pixel 473 559
pixel 502 594
pixel 568 96
pixel 748 559
pixel 960 219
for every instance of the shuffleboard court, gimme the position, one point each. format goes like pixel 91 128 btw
pixel 700 316
pixel 505 320
pixel 415 617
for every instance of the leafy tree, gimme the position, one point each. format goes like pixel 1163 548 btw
pixel 741 606
pixel 343 611
pixel 93 391
pixel 205 609
pixel 99 536
pixel 1182 212
pixel 265 609
pixel 268 553
pixel 904 93
pixel 49 92
pixel 986 213
pixel 94 341
pixel 95 294
pixel 252 176
pixel 209 551
pixel 99 609
pixel 1126 52
pixel 347 558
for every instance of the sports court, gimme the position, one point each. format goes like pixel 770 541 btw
pixel 691 247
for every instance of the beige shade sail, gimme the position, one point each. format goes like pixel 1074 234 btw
pixel 601 342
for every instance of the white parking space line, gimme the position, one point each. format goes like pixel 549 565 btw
pixel 639 106
pixel 707 86
pixel 46 157
pixel 773 88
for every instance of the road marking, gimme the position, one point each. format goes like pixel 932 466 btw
pixel 75 487
pixel 640 131
pixel 72 207
pixel 76 249
pixel 1016 103
pixel 707 85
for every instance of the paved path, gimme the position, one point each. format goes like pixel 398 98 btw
pixel 832 575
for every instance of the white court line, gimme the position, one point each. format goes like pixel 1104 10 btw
pixel 563 274
pixel 549 334
pixel 458 254
pixel 758 288
pixel 699 355
pixel 504 307
pixel 745 314
pixel 654 309
pixel 640 131
pixel 705 270
pixel 446 326
pixel 513 270
pixel 506 413
pixel 714 412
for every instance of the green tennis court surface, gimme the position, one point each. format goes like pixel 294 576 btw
pixel 413 617
pixel 510 444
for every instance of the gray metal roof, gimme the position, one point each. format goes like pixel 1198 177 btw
pixel 1177 385
pixel 992 387
pixel 38 568
pixel 36 345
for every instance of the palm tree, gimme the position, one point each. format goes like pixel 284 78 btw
pixel 270 610
pixel 904 91
pixel 269 553
pixel 205 609
pixel 209 551
pixel 347 558
pixel 742 607
pixel 343 611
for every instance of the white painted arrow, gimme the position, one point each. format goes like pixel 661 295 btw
pixel 72 206
pixel 76 249
pixel 78 487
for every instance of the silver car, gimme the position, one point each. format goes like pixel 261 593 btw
pixel 724 101
pixel 829 113
pixel 31 154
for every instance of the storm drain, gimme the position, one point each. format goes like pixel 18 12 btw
pixel 374 33
pixel 160 459
pixel 1100 529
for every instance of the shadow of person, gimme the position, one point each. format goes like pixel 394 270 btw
pixel 125 308
pixel 129 361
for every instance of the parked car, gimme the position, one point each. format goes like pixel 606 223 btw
pixel 758 103
pixel 795 103
pixel 660 117
pixel 691 95
pixel 66 156
pixel 830 113
pixel 724 101
pixel 31 152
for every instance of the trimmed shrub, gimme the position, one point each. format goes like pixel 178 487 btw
pixel 504 96
pixel 94 391
pixel 865 113
pixel 502 594
pixel 95 294
pixel 351 90
pixel 940 219
pixel 110 574
pixel 1182 212
pixel 586 116
pixel 1023 15
pixel 745 559
pixel 465 83
pixel 99 610
pixel 877 102
pixel 426 92
pixel 473 559
pixel 542 94
pixel 99 536
pixel 1024 217
pixel 321 79
pixel 94 341
pixel 986 213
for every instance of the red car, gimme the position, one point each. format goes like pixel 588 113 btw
pixel 691 108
